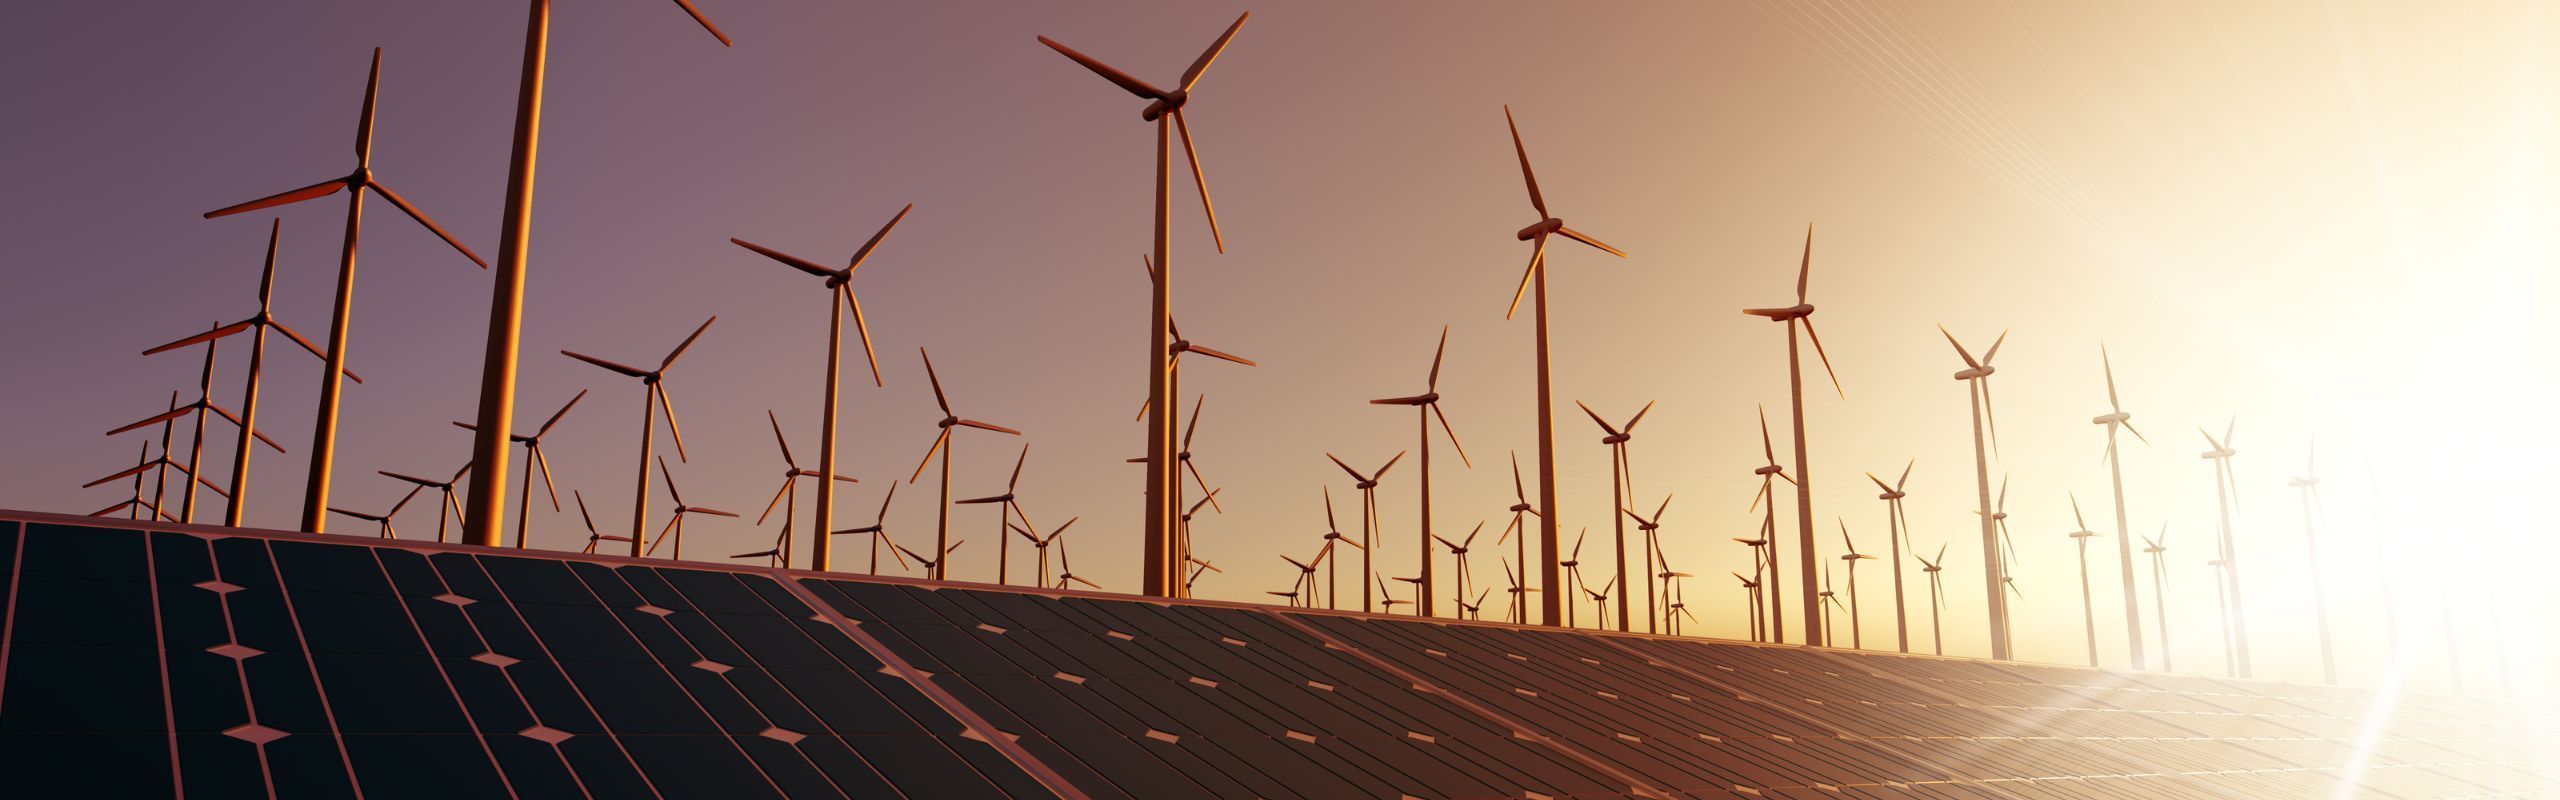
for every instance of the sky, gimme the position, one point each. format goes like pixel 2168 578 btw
pixel 2328 222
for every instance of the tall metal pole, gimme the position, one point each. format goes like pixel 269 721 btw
pixel 2231 569
pixel 1776 603
pixel 324 434
pixel 1552 612
pixel 195 453
pixel 2088 613
pixel 1804 491
pixel 1998 604
pixel 820 553
pixel 2124 557
pixel 524 505
pixel 942 514
pixel 640 493
pixel 1156 571
pixel 231 515
pixel 1893 533
pixel 488 498
pixel 1617 500
pixel 1424 590
pixel 2160 607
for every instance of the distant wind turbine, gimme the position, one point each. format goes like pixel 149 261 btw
pixel 1802 311
pixel 1898 532
pixel 2309 483
pixel 2226 491
pixel 2114 419
pixel 1427 406
pixel 2088 612
pixel 1977 378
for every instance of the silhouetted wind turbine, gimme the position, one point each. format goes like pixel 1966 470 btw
pixel 1041 545
pixel 2226 493
pixel 1977 378
pixel 879 530
pixel 1770 473
pixel 1387 599
pixel 1551 570
pixel 159 466
pixel 382 521
pixel 445 505
pixel 1427 406
pixel 1802 312
pixel 1519 524
pixel 136 505
pixel 1518 591
pixel 1824 601
pixel 2309 483
pixel 675 516
pixel 195 453
pixel 1652 547
pixel 2117 418
pixel 1457 552
pixel 1333 535
pixel 1066 568
pixel 654 398
pixel 1898 531
pixel 593 537
pixel 839 283
pixel 1306 574
pixel 942 445
pixel 2088 613
pixel 1937 598
pixel 1173 363
pixel 324 437
pixel 2156 548
pixel 788 495
pixel 1572 564
pixel 1368 486
pixel 1164 108
pixel 1751 602
pixel 1005 509
pixel 933 567
pixel 506 294
pixel 257 326
pixel 541 464
pixel 1856 642
pixel 1600 601
pixel 1619 485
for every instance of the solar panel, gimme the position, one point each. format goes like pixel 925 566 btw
pixel 144 662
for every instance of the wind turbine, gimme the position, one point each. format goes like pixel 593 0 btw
pixel 1306 574
pixel 1067 568
pixel 1573 576
pixel 1803 312
pixel 2309 483
pixel 1825 601
pixel 1977 378
pixel 2226 493
pixel 2222 609
pixel 1164 108
pixel 1898 531
pixel 1041 544
pixel 675 519
pixel 195 453
pixel 1652 548
pixel 839 285
pixel 1619 487
pixel 135 505
pixel 445 505
pixel 1679 607
pixel 1427 406
pixel 942 445
pixel 1198 568
pixel 1751 603
pixel 382 521
pixel 1551 570
pixel 2088 612
pixel 1937 598
pixel 788 496
pixel 506 294
pixel 1368 486
pixel 541 464
pixel 879 530
pixel 1856 642
pixel 1769 474
pixel 158 466
pixel 2114 419
pixel 324 437
pixel 1519 592
pixel 1387 599
pixel 933 567
pixel 257 326
pixel 653 398
pixel 1520 510
pixel 1005 510
pixel 1332 535
pixel 1457 552
pixel 2156 548
pixel 1600 601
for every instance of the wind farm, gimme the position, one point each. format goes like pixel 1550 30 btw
pixel 1357 220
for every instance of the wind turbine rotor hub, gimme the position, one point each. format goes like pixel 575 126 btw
pixel 1171 102
pixel 362 177
pixel 2118 417
pixel 1772 469
pixel 1616 438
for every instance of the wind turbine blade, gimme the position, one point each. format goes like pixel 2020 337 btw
pixel 543 463
pixel 299 341
pixel 1519 491
pixel 564 411
pixel 626 370
pixel 582 512
pixel 1767 450
pixel 1536 200
pixel 1579 236
pixel 1182 125
pixel 311 192
pixel 668 404
pixel 770 505
pixel 1816 336
pixel 1990 418
pixel 936 380
pixel 987 426
pixel 1222 356
pixel 1535 258
pixel 1880 484
pixel 792 261
pixel 705 22
pixel 1994 352
pixel 1804 268
pixel 207 336
pixel 1595 418
pixel 2109 364
pixel 1453 436
pixel 421 217
pixel 686 344
pixel 778 441
pixel 1329 524
pixel 1382 470
pixel 1143 89
pixel 862 328
pixel 1018 460
pixel 1191 77
pixel 1960 351
pixel 1328 504
pixel 1906 474
pixel 1211 496
pixel 929 454
pixel 669 476
pixel 1193 426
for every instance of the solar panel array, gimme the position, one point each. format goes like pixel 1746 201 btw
pixel 241 663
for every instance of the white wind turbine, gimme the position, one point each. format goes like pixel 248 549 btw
pixel 1977 377
pixel 2117 418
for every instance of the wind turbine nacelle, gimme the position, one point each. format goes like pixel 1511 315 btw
pixel 1796 311
pixel 1772 469
pixel 2117 417
pixel 1983 371
pixel 2083 534
pixel 1171 102
pixel 1890 496
pixel 1545 226
pixel 2214 454
pixel 2303 483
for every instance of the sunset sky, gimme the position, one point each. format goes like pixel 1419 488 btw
pixel 2326 220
